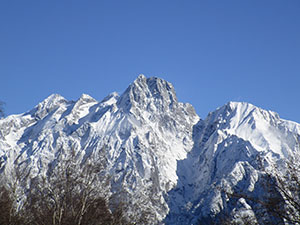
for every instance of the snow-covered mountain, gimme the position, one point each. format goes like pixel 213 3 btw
pixel 169 161
pixel 229 147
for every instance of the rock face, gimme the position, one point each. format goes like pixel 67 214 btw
pixel 169 162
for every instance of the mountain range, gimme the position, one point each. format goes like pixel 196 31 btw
pixel 171 162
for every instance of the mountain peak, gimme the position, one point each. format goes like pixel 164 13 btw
pixel 86 98
pixel 234 104
pixel 262 128
pixel 53 98
pixel 240 110
pixel 49 104
pixel 245 109
pixel 149 92
pixel 141 78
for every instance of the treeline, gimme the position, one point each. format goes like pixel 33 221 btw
pixel 71 193
pixel 76 192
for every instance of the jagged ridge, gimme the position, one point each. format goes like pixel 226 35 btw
pixel 158 149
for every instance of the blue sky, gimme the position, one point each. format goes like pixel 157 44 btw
pixel 213 51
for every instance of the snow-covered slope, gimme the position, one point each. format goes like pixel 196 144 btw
pixel 229 146
pixel 167 160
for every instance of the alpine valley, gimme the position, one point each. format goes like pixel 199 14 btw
pixel 169 162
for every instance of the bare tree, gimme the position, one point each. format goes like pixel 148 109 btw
pixel 11 193
pixel 1 109
pixel 73 192
pixel 281 197
pixel 287 183
pixel 132 208
pixel 8 214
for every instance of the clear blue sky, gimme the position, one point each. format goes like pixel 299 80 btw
pixel 213 51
